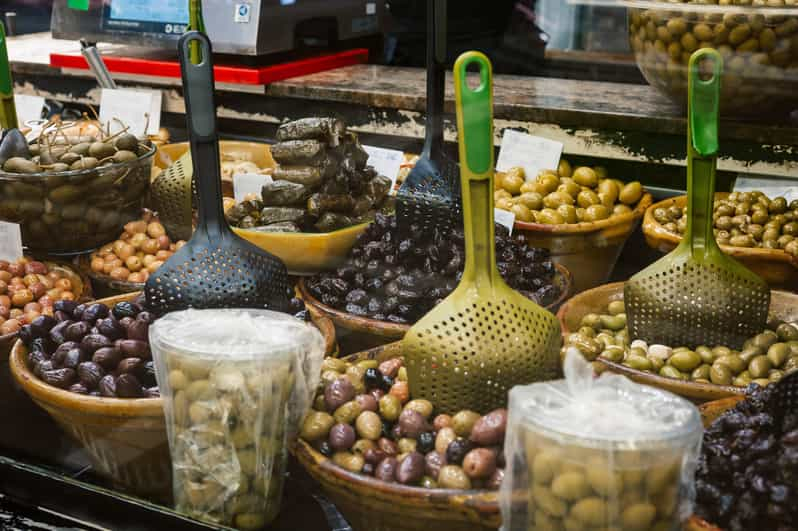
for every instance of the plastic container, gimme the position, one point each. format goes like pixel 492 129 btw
pixel 759 45
pixel 75 211
pixel 605 453
pixel 235 384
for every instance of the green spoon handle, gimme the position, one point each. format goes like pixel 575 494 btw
pixel 475 135
pixel 8 110
pixel 703 97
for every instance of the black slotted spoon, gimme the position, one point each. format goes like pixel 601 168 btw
pixel 430 195
pixel 215 268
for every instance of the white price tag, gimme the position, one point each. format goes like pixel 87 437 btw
pixel 504 217
pixel 135 108
pixel 386 161
pixel 10 242
pixel 248 183
pixel 771 187
pixel 533 153
pixel 29 108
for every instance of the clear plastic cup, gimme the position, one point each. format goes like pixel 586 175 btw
pixel 234 383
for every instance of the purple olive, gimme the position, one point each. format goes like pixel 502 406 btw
pixel 42 367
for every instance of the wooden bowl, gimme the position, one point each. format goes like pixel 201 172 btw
pixel 125 438
pixel 589 250
pixel 782 304
pixel 372 505
pixel 709 412
pixel 367 333
pixel 776 266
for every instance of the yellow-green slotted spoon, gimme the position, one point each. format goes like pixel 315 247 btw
pixel 696 295
pixel 484 338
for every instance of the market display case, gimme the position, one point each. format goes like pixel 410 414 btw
pixel 432 257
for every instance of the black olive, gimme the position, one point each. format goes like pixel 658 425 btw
pixel 107 386
pixel 339 286
pixel 457 450
pixel 61 378
pixel 125 309
pixel 110 328
pixel 372 378
pixel 128 386
pixel 65 306
pixel 73 358
pixel 357 296
pixel 387 429
pixel 152 392
pixel 42 344
pixel 374 306
pixel 94 311
pixel 355 309
pixel 26 334
pixel 425 442
pixel 77 331
pixel 77 313
pixel 35 357
pixel 43 324
pixel 61 315
pixel 148 375
pixel 93 342
pixel 386 382
pixel 130 365
pixel 78 388
pixel 90 374
pixel 325 449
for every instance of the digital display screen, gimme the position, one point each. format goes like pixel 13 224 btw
pixel 146 16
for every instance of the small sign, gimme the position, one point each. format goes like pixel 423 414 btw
pixel 137 109
pixel 387 162
pixel 371 8
pixel 82 5
pixel 771 187
pixel 10 242
pixel 29 108
pixel 504 217
pixel 242 14
pixel 533 153
pixel 248 183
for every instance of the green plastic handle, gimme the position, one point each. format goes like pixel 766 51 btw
pixel 475 135
pixel 8 111
pixel 703 96
pixel 197 23
pixel 475 125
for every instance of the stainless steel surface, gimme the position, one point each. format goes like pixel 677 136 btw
pixel 97 65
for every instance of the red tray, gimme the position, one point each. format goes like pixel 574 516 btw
pixel 244 75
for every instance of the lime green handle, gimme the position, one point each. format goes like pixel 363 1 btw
pixel 476 125
pixel 195 22
pixel 475 135
pixel 8 111
pixel 703 96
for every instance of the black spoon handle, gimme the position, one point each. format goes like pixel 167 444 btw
pixel 436 78
pixel 201 124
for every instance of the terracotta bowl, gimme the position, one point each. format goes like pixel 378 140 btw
pixel 125 438
pixel 372 505
pixel 589 250
pixel 776 266
pixel 366 333
pixel 782 304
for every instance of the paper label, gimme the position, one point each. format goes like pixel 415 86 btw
pixel 29 108
pixel 533 153
pixel 248 183
pixel 132 108
pixel 504 217
pixel 387 162
pixel 371 8
pixel 10 242
pixel 771 187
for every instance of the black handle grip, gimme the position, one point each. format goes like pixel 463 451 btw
pixel 436 79
pixel 201 124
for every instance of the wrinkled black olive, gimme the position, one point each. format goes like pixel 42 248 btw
pixel 74 358
pixel 125 309
pixel 107 386
pixel 77 312
pixel 357 296
pixel 138 330
pixel 61 315
pixel 93 342
pixel 41 344
pixel 148 375
pixel 61 378
pixel 78 388
pixel 65 306
pixel 94 311
pixel 133 348
pixel 42 325
pixel 35 357
pixel 26 334
pixel 110 328
pixel 372 378
pixel 128 386
pixel 107 358
pixel 425 442
pixel 77 331
pixel 90 374
pixel 130 365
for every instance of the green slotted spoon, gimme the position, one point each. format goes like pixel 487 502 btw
pixel 484 338
pixel 696 295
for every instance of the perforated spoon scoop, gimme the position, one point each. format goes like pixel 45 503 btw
pixel 429 197
pixel 171 194
pixel 215 268
pixel 696 295
pixel 484 338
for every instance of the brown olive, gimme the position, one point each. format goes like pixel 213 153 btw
pixel 412 423
pixel 386 470
pixel 489 430
pixel 107 357
pixel 479 463
pixel 433 462
pixel 338 393
pixel 411 469
pixel 128 386
pixel 133 348
pixel 388 446
pixel 341 437
pixel 367 402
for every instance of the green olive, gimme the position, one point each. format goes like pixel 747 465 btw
pixel 596 213
pixel 668 371
pixel 701 372
pixel 732 361
pixel 638 517
pixel 390 407
pixel 777 354
pixel 631 193
pixel 640 363
pixel 463 422
pixel 592 320
pixel 759 367
pixel 787 332
pixel 348 412
pixel 316 426
pixel 721 351
pixel 368 425
pixel 585 176
pixel 568 213
pixel 707 356
pixel 555 199
pixel 586 331
pixel 548 216
pixel 613 353
pixel 349 461
pixel 592 512
pixel 585 198
pixel 613 322
pixel 570 486
pixel 775 375
pixel 685 361
pixel 765 339
pixel 720 374
pixel 590 348
pixel 616 307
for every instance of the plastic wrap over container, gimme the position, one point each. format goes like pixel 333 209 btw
pixel 235 385
pixel 598 453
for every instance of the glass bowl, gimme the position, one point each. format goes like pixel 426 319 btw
pixel 75 211
pixel 758 40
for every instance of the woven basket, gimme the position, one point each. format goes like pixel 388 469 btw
pixel 357 333
pixel 372 505
pixel 125 438
pixel 589 250
pixel 783 305
pixel 778 268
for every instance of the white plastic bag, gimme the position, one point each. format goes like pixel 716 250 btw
pixel 598 453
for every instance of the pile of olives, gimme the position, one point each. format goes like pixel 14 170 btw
pixel 91 349
pixel 398 279
pixel 364 420
pixel 72 193
pixel 764 358
pixel 565 195
pixel 744 219
pixel 759 49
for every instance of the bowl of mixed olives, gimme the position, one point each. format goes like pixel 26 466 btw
pixel 581 214
pixel 395 463
pixel 594 322
pixel 73 193
pixel 758 41
pixel 759 231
